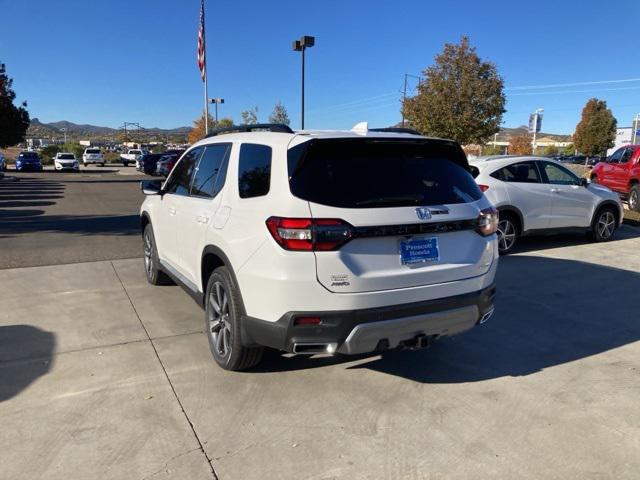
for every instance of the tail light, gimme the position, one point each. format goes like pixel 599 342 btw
pixel 487 222
pixel 309 234
pixel 483 188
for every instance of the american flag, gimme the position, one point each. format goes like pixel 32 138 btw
pixel 202 63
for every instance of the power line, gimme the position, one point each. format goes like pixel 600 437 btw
pixel 575 84
pixel 575 91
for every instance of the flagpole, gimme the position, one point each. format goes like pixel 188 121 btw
pixel 206 79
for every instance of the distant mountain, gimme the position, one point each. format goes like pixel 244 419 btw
pixel 74 131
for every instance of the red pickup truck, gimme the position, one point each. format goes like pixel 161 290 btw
pixel 621 173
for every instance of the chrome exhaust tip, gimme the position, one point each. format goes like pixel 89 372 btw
pixel 314 348
pixel 486 316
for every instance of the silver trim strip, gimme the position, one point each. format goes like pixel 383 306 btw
pixel 184 280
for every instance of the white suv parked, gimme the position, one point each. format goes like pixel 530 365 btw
pixel 323 242
pixel 536 194
pixel 92 155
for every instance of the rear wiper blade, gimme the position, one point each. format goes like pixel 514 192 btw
pixel 414 199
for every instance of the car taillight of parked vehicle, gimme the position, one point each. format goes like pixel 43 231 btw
pixel 309 234
pixel 488 222
pixel 483 188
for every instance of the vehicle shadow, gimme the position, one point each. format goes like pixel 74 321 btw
pixel 17 371
pixel 545 242
pixel 78 224
pixel 548 312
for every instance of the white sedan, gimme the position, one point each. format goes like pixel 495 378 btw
pixel 536 194
pixel 66 161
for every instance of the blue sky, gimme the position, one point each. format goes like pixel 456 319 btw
pixel 106 62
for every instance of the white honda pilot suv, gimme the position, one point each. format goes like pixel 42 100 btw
pixel 323 242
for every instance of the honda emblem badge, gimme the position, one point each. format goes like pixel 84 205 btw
pixel 423 213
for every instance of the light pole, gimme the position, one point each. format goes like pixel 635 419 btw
pixel 216 101
pixel 64 130
pixel 300 46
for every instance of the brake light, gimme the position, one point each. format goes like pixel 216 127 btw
pixel 487 222
pixel 309 234
pixel 483 188
pixel 307 321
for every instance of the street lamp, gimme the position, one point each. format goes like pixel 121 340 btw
pixel 216 101
pixel 64 130
pixel 300 46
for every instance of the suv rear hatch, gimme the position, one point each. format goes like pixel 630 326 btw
pixel 410 208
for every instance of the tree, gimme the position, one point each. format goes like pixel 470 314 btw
pixel 551 150
pixel 249 117
pixel 14 121
pixel 460 98
pixel 224 123
pixel 520 144
pixel 596 131
pixel 493 150
pixel 279 114
pixel 569 149
pixel 198 130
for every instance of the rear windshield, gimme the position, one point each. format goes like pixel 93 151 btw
pixel 66 156
pixel 367 173
pixel 28 155
pixel 135 152
pixel 93 150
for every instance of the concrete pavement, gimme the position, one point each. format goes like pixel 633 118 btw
pixel 104 376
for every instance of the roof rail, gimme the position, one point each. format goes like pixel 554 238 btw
pixel 410 131
pixel 269 127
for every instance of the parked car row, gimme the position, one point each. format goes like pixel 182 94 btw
pixel 158 164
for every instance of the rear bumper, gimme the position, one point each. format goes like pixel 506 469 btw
pixel 367 330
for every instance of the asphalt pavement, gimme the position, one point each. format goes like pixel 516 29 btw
pixel 49 218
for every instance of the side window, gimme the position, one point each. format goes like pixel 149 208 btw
pixel 615 158
pixel 626 155
pixel 208 178
pixel 180 178
pixel 525 172
pixel 254 170
pixel 557 175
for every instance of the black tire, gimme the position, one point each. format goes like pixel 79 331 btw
pixel 126 164
pixel 594 179
pixel 223 311
pixel 604 224
pixel 154 275
pixel 634 198
pixel 508 232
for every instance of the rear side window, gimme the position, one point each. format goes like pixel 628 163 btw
pixel 524 172
pixel 209 176
pixel 93 151
pixel 370 173
pixel 180 179
pixel 254 170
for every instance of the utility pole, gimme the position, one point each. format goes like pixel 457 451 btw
pixel 404 92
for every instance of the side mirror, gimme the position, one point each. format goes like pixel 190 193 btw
pixel 151 187
pixel 584 182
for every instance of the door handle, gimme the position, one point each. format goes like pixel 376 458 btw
pixel 172 211
pixel 555 190
pixel 202 219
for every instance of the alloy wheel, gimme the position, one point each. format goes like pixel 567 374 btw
pixel 606 225
pixel 218 317
pixel 506 235
pixel 148 254
pixel 633 200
